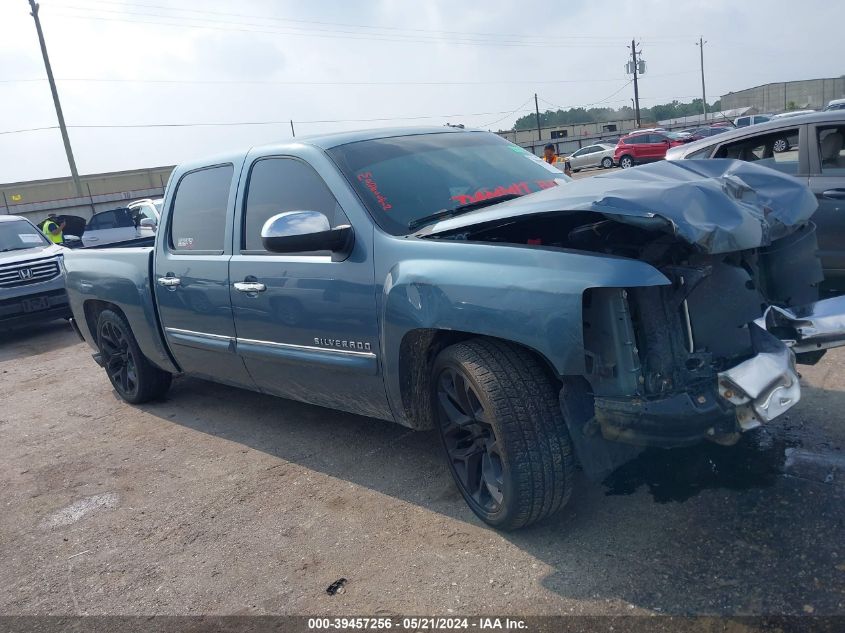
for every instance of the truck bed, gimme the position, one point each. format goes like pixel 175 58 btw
pixel 120 276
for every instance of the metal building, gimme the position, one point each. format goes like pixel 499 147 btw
pixel 36 199
pixel 811 94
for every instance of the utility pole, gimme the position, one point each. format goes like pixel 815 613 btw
pixel 75 174
pixel 537 114
pixel 292 131
pixel 635 69
pixel 701 44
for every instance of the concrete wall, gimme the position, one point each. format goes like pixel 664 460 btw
pixel 38 198
pixel 807 94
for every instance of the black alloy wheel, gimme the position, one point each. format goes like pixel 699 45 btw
pixel 132 375
pixel 470 441
pixel 118 358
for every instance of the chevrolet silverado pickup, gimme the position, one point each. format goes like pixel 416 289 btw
pixel 32 285
pixel 448 279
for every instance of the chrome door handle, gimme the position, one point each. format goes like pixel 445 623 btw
pixel 249 286
pixel 834 194
pixel 169 282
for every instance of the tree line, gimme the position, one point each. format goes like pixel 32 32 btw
pixel 574 116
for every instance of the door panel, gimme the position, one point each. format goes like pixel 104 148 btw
pixel 312 333
pixel 191 277
pixel 827 181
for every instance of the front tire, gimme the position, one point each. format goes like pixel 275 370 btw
pixel 607 163
pixel 505 439
pixel 626 162
pixel 133 377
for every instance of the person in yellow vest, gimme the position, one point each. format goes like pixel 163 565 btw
pixel 552 158
pixel 53 229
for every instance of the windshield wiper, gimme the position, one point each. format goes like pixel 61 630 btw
pixel 19 248
pixel 450 213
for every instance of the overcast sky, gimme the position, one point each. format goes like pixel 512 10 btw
pixel 228 61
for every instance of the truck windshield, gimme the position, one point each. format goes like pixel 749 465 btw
pixel 18 235
pixel 405 178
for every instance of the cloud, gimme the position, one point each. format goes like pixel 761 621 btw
pixel 580 61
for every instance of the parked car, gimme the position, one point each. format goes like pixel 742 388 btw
pixel 706 132
pixel 640 147
pixel 137 221
pixel 754 119
pixel 835 104
pixel 450 279
pixel 791 113
pixel 599 155
pixel 32 284
pixel 146 214
pixel 815 157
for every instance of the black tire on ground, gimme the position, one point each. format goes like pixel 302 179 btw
pixel 135 379
pixel 506 441
pixel 607 163
pixel 575 171
pixel 626 162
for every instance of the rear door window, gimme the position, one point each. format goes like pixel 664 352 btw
pixel 198 219
pixel 778 150
pixel 831 144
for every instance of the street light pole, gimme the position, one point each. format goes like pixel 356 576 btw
pixel 635 68
pixel 701 44
pixel 65 139
pixel 537 114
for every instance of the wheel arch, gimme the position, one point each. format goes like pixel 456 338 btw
pixel 417 352
pixel 93 308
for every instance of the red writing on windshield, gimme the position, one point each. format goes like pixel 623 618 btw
pixel 516 189
pixel 370 183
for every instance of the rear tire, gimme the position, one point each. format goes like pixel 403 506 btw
pixel 780 145
pixel 500 423
pixel 133 377
pixel 607 163
pixel 626 162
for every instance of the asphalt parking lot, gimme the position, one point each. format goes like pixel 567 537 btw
pixel 220 501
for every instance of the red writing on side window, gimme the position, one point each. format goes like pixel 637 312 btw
pixel 546 184
pixel 367 178
pixel 516 189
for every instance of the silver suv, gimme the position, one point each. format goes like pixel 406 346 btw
pixel 32 281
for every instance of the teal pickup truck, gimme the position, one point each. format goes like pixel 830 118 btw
pixel 447 279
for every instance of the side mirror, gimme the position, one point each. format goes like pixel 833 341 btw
pixel 148 223
pixel 302 231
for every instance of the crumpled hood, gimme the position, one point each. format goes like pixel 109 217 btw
pixel 718 205
pixel 25 255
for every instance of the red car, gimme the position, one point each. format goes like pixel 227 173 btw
pixel 640 147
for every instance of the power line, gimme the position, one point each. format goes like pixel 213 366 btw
pixel 584 105
pixel 316 83
pixel 538 38
pixel 31 129
pixel 512 112
pixel 329 35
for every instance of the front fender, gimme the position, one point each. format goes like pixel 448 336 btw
pixel 530 296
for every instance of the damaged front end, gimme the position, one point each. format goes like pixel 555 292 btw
pixel 708 355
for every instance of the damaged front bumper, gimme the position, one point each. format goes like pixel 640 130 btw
pixel 814 327
pixel 740 398
pixel 764 386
